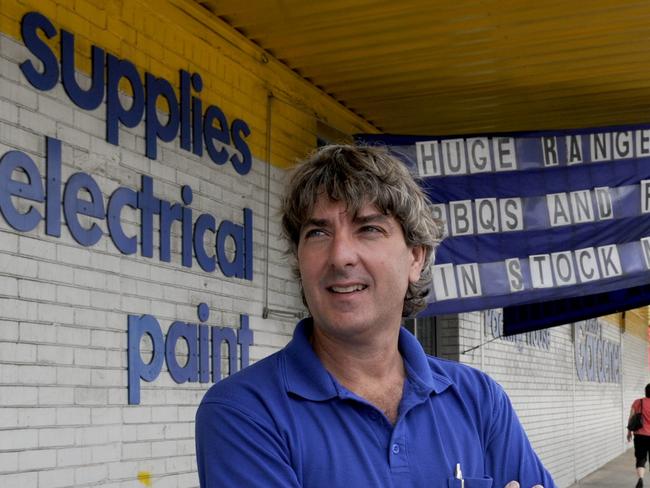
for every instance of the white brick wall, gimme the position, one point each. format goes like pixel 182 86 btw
pixel 575 426
pixel 64 417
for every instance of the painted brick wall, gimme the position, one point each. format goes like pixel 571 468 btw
pixel 64 417
pixel 575 426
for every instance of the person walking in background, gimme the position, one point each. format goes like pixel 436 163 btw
pixel 642 434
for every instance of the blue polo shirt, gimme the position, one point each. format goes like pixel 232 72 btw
pixel 286 422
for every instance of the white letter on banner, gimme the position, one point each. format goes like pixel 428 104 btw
pixel 622 145
pixel 444 282
pixel 462 222
pixel 549 149
pixel 478 153
pixel 587 264
pixel 610 262
pixel 515 278
pixel 645 247
pixel 600 146
pixel 453 156
pixel 642 143
pixel 645 196
pixel 581 206
pixel 428 158
pixel 563 268
pixel 540 270
pixel 504 153
pixel 439 212
pixel 604 200
pixel 487 215
pixel 512 214
pixel 573 149
pixel 558 209
pixel 469 280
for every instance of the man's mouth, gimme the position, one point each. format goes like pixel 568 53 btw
pixel 347 289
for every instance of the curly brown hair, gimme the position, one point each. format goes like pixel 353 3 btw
pixel 360 175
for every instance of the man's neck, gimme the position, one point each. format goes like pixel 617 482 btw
pixel 372 369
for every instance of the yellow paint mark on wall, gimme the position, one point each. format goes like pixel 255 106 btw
pixel 144 477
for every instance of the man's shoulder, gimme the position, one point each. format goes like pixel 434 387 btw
pixel 482 398
pixel 262 379
pixel 464 377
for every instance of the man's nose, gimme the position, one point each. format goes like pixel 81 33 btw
pixel 343 250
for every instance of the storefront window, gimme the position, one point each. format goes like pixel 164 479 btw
pixel 425 331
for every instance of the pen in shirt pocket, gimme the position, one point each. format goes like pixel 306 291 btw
pixel 459 475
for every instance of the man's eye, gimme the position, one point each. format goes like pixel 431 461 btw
pixel 314 233
pixel 371 229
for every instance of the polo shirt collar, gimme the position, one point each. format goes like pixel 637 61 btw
pixel 417 366
pixel 307 377
pixel 305 374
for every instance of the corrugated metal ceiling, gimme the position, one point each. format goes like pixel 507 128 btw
pixel 434 67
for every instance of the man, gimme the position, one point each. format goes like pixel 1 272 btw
pixel 353 400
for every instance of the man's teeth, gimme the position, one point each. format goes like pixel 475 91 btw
pixel 347 289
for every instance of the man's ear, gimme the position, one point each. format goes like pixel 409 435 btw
pixel 419 254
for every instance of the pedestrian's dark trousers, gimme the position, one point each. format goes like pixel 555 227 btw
pixel 641 449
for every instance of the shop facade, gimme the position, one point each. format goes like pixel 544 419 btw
pixel 144 146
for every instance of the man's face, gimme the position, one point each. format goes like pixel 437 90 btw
pixel 355 269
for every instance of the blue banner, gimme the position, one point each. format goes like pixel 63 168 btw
pixel 535 216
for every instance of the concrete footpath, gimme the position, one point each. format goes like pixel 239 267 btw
pixel 618 473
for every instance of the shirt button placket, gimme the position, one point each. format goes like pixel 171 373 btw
pixel 397 449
